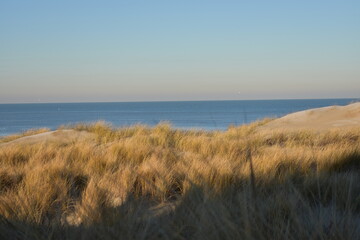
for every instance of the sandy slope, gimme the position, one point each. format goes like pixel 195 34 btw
pixel 58 136
pixel 319 119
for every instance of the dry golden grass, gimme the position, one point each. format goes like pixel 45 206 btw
pixel 163 183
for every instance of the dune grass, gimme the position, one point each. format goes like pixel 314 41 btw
pixel 161 183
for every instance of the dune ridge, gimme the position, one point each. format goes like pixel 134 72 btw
pixel 319 118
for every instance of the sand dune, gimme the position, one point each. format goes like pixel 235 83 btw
pixel 58 136
pixel 319 119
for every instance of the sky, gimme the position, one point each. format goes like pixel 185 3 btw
pixel 95 51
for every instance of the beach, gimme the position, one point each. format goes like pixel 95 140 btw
pixel 274 178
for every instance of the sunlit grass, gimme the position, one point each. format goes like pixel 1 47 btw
pixel 150 183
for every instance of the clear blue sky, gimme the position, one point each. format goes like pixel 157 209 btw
pixel 66 51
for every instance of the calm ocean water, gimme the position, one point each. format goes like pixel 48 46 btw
pixel 208 115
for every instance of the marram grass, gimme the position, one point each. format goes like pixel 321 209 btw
pixel 162 183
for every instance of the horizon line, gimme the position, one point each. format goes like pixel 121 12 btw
pixel 204 100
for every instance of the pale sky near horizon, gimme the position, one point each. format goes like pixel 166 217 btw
pixel 79 51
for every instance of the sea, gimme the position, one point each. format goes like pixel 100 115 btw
pixel 206 115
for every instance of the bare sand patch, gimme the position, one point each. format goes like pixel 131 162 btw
pixel 318 119
pixel 58 136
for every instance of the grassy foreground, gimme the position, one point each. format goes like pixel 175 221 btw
pixel 162 183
